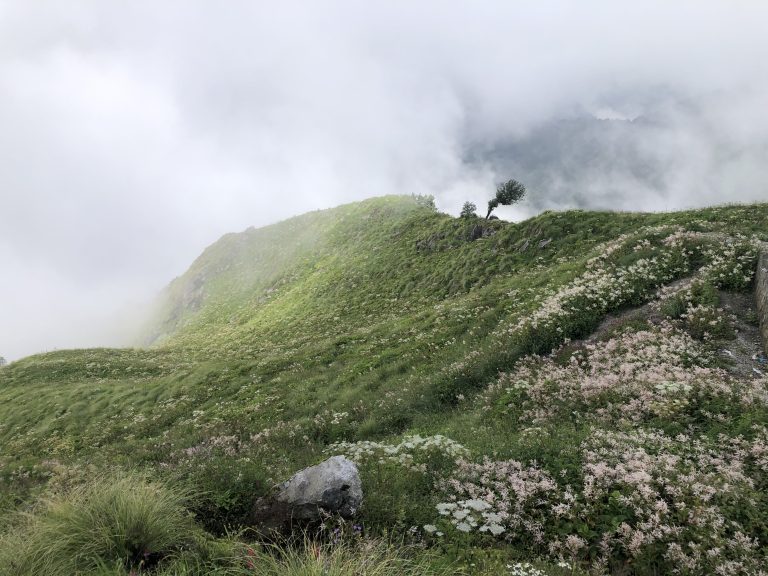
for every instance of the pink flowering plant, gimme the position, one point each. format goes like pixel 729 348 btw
pixel 638 496
pixel 639 376
pixel 668 470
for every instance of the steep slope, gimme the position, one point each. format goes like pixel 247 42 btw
pixel 239 273
pixel 363 323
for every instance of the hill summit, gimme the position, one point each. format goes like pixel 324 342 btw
pixel 581 392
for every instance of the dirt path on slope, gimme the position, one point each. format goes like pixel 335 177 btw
pixel 761 294
pixel 745 354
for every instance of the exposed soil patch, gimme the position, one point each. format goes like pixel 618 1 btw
pixel 613 322
pixel 649 312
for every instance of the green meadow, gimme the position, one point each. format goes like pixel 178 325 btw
pixel 547 397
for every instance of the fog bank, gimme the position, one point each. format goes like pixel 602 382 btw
pixel 134 134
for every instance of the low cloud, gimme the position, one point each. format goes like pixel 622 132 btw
pixel 134 134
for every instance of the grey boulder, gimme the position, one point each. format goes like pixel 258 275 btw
pixel 333 486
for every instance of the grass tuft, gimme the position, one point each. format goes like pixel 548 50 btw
pixel 355 558
pixel 112 522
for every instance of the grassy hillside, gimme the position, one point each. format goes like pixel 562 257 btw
pixel 419 345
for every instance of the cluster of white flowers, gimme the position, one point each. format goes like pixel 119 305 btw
pixel 731 263
pixel 667 388
pixel 644 244
pixel 681 236
pixel 338 417
pixel 501 497
pixel 330 418
pixel 405 453
pixel 524 569
pixel 607 249
pixel 603 287
pixel 432 529
pixel 467 515
pixel 680 490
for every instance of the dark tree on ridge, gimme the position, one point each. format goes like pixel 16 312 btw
pixel 507 193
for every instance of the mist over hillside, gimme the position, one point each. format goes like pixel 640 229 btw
pixel 661 155
pixel 136 135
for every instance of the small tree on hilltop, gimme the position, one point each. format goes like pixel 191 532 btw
pixel 507 193
pixel 2 361
pixel 468 210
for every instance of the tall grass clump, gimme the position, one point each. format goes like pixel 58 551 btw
pixel 361 557
pixel 110 523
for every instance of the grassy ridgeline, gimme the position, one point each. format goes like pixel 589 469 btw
pixel 366 323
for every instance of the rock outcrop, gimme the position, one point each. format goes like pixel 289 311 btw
pixel 480 230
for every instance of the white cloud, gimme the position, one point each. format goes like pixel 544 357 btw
pixel 133 134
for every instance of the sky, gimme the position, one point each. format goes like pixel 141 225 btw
pixel 134 134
